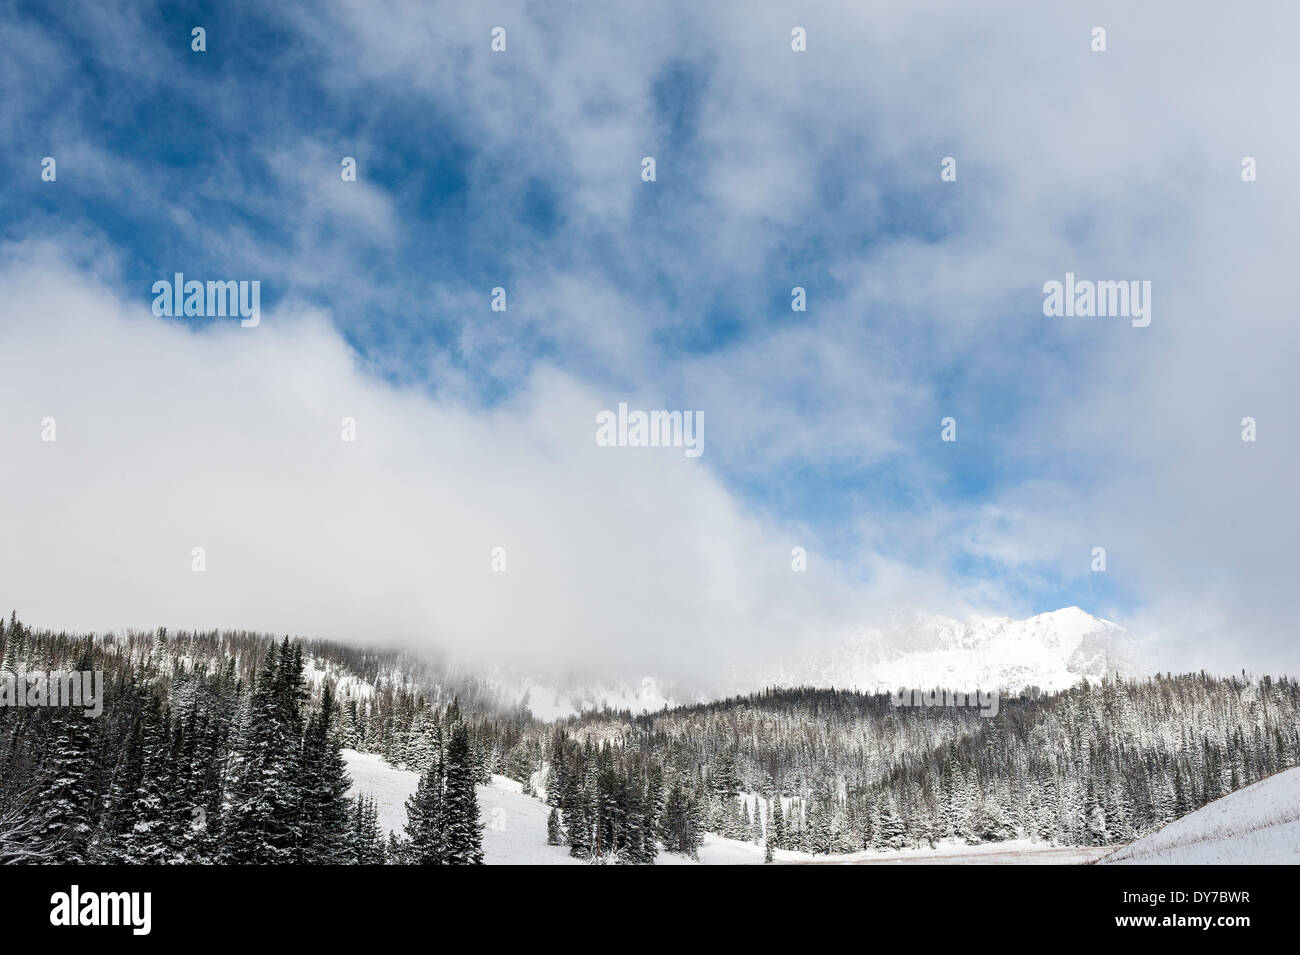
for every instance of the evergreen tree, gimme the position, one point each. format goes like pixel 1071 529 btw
pixel 777 834
pixel 324 823
pixel 137 823
pixel 1094 818
pixel 398 851
pixel 577 817
pixel 263 824
pixel 66 785
pixel 365 841
pixel 890 832
pixel 756 823
pixel 425 818
pixel 462 834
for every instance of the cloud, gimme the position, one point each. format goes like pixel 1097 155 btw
pixel 775 169
pixel 623 561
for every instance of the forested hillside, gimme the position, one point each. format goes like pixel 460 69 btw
pixel 217 747
pixel 225 747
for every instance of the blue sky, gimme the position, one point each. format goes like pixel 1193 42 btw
pixel 775 169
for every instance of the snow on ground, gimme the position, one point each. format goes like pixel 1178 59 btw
pixel 316 672
pixel 514 831
pixel 719 851
pixel 514 825
pixel 1258 825
pixel 1052 651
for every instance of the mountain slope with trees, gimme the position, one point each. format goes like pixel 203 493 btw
pixel 225 747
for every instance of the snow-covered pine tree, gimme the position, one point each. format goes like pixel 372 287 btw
pixel 425 740
pixel 323 835
pixel 1094 818
pixel 890 832
pixel 425 822
pixel 137 830
pixel 398 850
pixel 463 836
pixel 632 838
pixel 66 784
pixel 655 798
pixel 365 841
pixel 262 825
pixel 776 835
pixel 574 803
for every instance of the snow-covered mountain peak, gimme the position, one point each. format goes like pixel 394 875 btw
pixel 1049 650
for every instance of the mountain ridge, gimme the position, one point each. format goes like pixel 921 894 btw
pixel 1051 651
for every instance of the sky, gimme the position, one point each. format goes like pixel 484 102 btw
pixel 775 168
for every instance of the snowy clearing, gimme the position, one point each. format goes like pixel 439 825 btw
pixel 719 851
pixel 514 825
pixel 1258 825
pixel 514 831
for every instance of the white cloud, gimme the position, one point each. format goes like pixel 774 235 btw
pixel 627 560
pixel 1123 164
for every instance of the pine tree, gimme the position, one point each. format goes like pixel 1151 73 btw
pixel 398 851
pixel 777 835
pixel 423 740
pixel 1094 818
pixel 425 817
pixel 577 817
pixel 324 817
pixel 821 820
pixel 654 800
pixel 1046 821
pixel 263 824
pixel 199 756
pixel 348 736
pixel 639 842
pixel 365 841
pixel 462 834
pixel 137 824
pixel 67 784
pixel 890 832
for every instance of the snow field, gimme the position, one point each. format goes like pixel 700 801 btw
pixel 514 831
pixel 1258 825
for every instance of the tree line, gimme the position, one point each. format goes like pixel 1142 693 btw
pixel 223 759
pixel 218 747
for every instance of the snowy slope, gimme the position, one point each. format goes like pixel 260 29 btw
pixel 1258 825
pixel 514 825
pixel 514 830
pixel 1052 651
pixel 719 851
